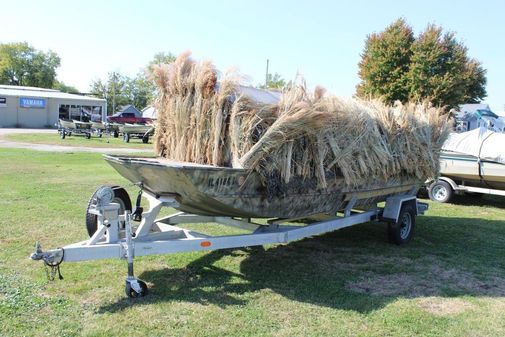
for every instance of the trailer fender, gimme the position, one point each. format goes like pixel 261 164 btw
pixel 450 182
pixel 394 204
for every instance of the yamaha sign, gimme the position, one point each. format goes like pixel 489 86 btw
pixel 27 102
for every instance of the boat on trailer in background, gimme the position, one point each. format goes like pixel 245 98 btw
pixel 471 162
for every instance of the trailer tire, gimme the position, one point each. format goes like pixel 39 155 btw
pixel 401 231
pixel 440 191
pixel 115 134
pixel 120 196
pixel 126 137
pixel 145 139
pixel 88 135
pixel 131 293
pixel 62 134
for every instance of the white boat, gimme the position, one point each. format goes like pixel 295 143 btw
pixel 471 170
pixel 472 161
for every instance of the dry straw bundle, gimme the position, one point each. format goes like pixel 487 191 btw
pixel 303 135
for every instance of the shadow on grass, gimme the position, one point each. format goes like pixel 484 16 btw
pixel 478 199
pixel 352 269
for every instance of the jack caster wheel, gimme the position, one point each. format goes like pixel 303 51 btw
pixel 135 288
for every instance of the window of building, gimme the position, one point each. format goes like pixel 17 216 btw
pixel 64 111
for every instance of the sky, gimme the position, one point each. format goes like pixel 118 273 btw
pixel 322 40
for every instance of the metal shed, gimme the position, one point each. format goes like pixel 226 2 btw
pixel 32 107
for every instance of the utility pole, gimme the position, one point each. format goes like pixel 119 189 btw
pixel 113 92
pixel 266 77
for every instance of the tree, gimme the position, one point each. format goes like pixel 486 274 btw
pixel 65 88
pixel 441 71
pixel 21 64
pixel 145 90
pixel 115 90
pixel 160 58
pixel 434 67
pixel 385 62
pixel 274 81
pixel 120 89
pixel 141 90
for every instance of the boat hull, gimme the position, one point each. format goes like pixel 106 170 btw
pixel 464 169
pixel 136 128
pixel 223 191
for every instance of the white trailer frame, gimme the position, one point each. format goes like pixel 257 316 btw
pixel 471 189
pixel 162 235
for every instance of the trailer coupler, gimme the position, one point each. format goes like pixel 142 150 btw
pixel 52 260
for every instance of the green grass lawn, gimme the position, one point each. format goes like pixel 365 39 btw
pixel 94 141
pixel 449 281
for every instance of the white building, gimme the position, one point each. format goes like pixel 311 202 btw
pixel 31 107
pixel 473 116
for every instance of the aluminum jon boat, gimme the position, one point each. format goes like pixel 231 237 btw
pixel 223 191
pixel 230 197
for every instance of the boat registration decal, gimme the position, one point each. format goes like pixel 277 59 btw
pixel 220 183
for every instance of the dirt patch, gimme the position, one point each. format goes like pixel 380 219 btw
pixel 445 306
pixel 428 278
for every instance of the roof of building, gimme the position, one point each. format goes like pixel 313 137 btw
pixel 259 95
pixel 473 107
pixel 468 111
pixel 13 90
pixel 130 108
pixel 149 112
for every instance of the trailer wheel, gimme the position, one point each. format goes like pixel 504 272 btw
pixel 115 134
pixel 401 232
pixel 440 191
pixel 88 135
pixel 145 139
pixel 132 293
pixel 120 196
pixel 126 137
pixel 62 134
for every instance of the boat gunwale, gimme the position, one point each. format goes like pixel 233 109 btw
pixel 154 161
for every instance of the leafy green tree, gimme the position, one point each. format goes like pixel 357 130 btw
pixel 141 90
pixel 65 88
pixel 144 90
pixel 441 71
pixel 120 89
pixel 160 58
pixel 274 81
pixel 434 66
pixel 385 62
pixel 21 64
pixel 115 90
pixel 475 79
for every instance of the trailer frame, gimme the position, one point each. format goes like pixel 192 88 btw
pixel 116 237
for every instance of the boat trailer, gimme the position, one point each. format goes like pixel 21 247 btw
pixel 116 237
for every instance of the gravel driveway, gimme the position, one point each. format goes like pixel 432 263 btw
pixel 4 143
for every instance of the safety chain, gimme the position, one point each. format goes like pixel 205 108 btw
pixel 54 267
